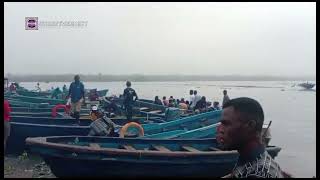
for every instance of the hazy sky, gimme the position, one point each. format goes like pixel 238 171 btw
pixel 163 38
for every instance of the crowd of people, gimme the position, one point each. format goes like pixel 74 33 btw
pixel 196 103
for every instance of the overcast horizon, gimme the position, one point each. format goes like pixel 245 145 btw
pixel 213 39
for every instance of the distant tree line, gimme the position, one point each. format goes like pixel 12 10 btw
pixel 145 78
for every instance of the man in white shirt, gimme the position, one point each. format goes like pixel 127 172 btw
pixel 196 98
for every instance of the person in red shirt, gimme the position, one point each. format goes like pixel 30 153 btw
pixel 6 113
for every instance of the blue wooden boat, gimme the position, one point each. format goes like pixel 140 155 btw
pixel 147 108
pixel 42 110
pixel 37 99
pixel 23 127
pixel 76 156
pixel 18 103
pixel 102 92
pixel 24 92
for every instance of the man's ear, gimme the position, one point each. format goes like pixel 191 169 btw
pixel 252 124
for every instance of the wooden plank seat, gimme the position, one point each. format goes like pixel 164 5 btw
pixel 128 147
pixel 155 111
pixel 94 145
pixel 214 149
pixel 161 148
pixel 144 108
pixel 189 148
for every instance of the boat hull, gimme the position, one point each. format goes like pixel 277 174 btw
pixel 106 161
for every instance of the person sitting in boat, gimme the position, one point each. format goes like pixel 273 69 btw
pixel 183 106
pixel 93 95
pixel 112 107
pixel 12 88
pixel 201 105
pixel 182 100
pixel 216 106
pixel 240 129
pixel 56 92
pixel 165 101
pixel 64 88
pixel 95 113
pixel 177 102
pixel 157 100
pixel 171 103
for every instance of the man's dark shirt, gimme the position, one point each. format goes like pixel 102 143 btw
pixel 128 95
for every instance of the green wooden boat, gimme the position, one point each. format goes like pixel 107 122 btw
pixel 36 99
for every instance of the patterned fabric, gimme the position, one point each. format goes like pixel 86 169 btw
pixel 263 167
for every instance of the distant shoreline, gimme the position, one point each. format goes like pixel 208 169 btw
pixel 151 78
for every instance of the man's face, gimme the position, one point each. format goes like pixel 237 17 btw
pixel 232 131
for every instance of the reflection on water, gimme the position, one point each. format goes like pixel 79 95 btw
pixel 292 110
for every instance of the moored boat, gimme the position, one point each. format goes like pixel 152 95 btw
pixel 76 156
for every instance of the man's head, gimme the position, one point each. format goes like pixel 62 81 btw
pixel 128 83
pixel 195 92
pixel 191 92
pixel 76 78
pixel 164 98
pixel 241 122
pixel 156 98
pixel 215 104
pixel 224 92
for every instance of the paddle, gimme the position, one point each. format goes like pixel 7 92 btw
pixel 265 132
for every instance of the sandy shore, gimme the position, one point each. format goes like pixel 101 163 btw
pixel 25 166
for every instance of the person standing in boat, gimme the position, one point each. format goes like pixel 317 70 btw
pixel 38 89
pixel 128 102
pixel 76 92
pixel 191 99
pixel 225 97
pixel 195 99
pixel 241 127
pixel 6 113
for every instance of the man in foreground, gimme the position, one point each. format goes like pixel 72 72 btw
pixel 241 126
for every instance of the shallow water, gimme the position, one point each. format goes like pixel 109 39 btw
pixel 291 109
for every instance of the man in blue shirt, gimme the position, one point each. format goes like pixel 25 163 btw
pixel 76 92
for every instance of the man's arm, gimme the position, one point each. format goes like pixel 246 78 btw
pixel 135 94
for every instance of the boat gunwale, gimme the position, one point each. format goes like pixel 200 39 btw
pixel 42 142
